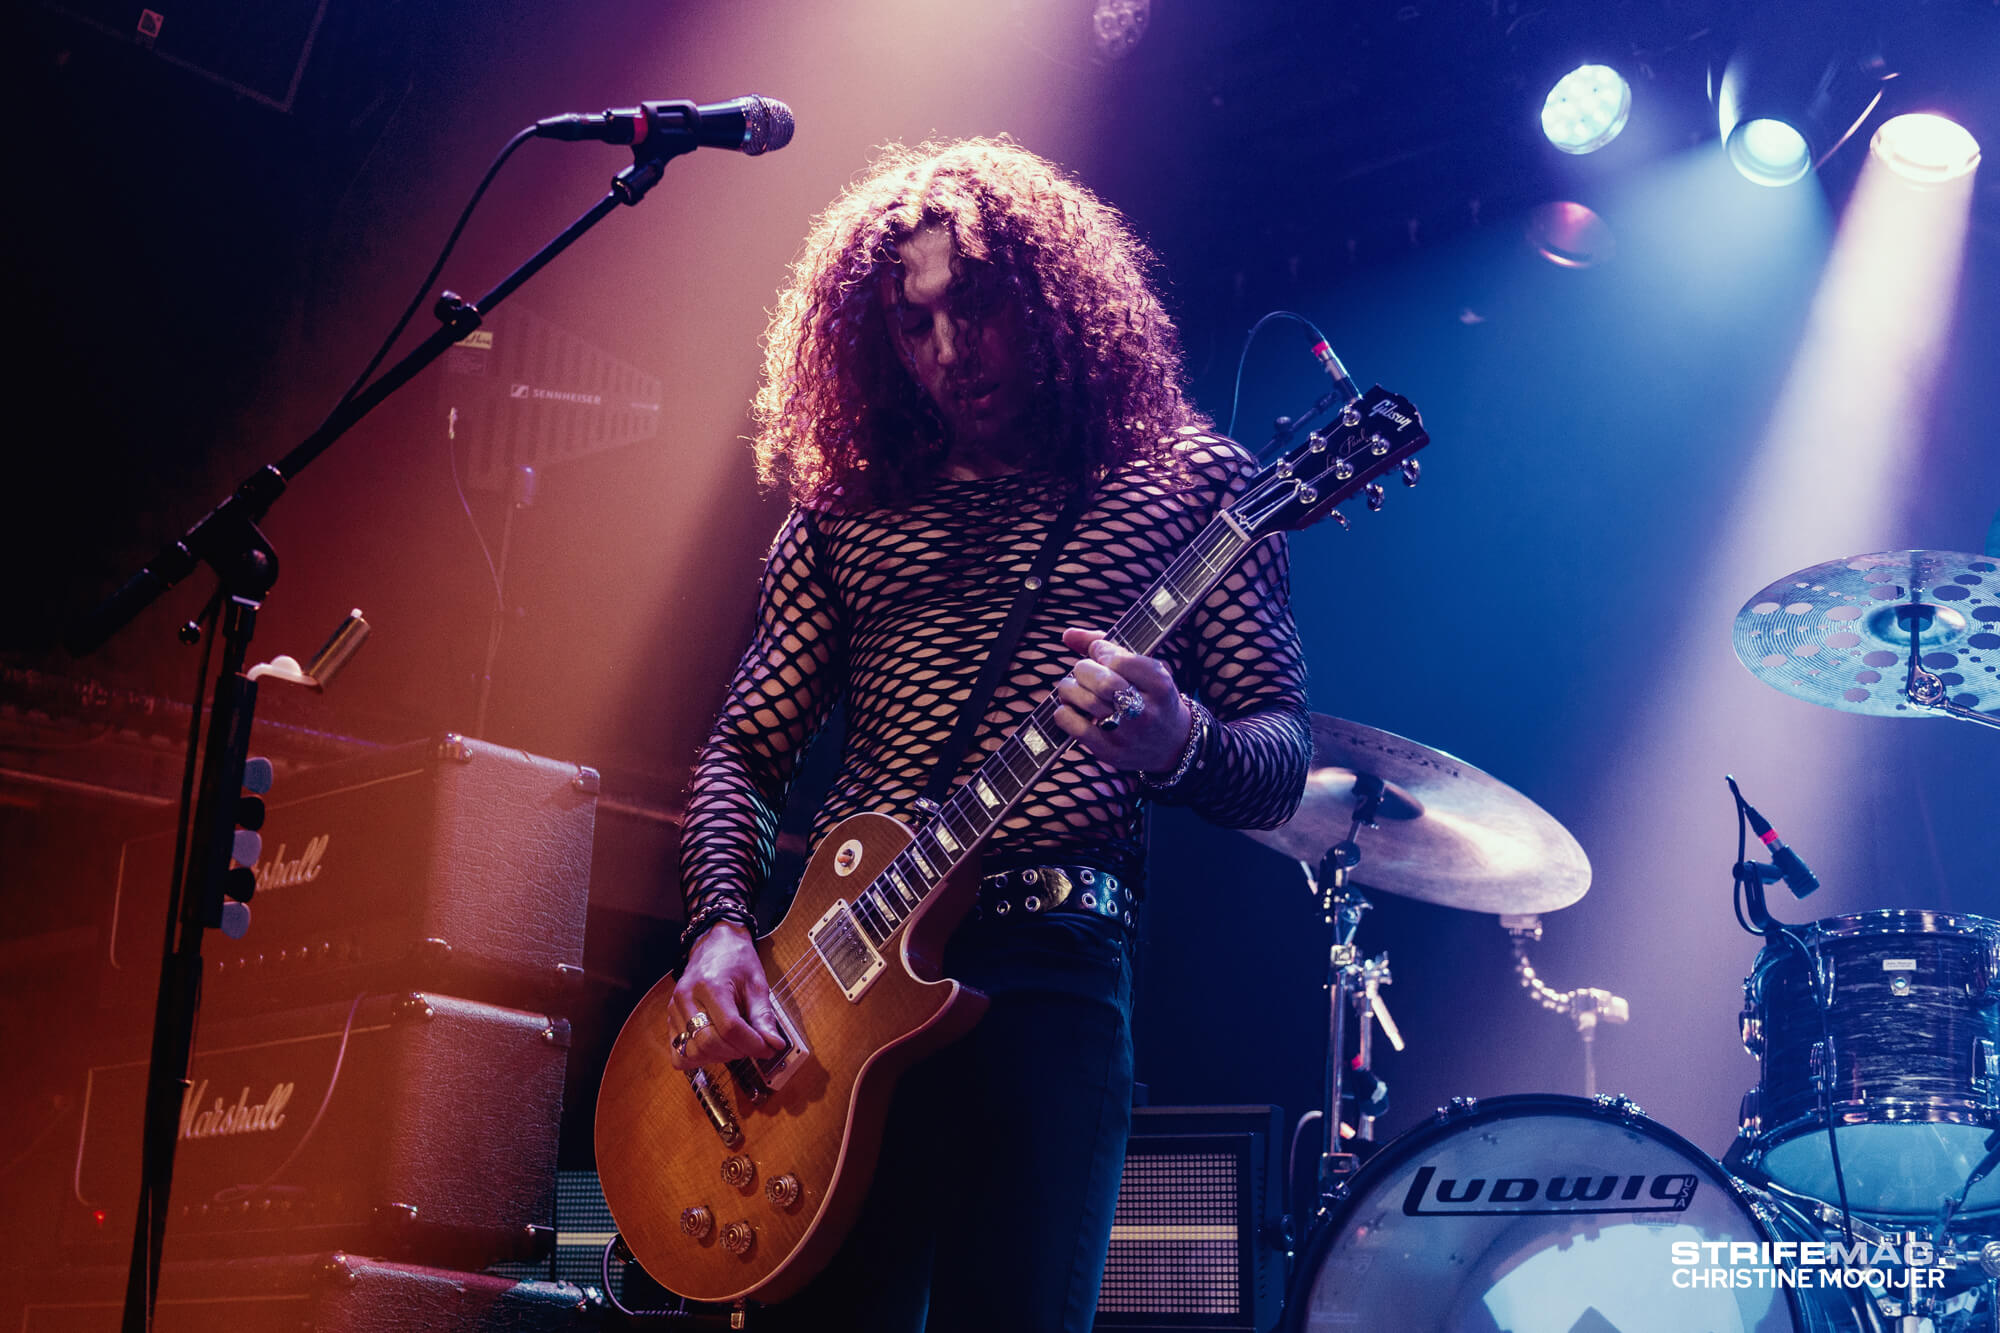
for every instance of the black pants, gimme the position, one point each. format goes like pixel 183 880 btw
pixel 991 1208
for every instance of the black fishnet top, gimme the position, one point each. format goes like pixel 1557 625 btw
pixel 892 610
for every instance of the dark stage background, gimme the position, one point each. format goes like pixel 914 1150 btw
pixel 1622 454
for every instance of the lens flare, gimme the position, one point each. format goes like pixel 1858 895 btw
pixel 1587 108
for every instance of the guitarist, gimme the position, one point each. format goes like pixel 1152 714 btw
pixel 967 342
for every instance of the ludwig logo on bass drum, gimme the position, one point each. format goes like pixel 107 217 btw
pixel 1483 1195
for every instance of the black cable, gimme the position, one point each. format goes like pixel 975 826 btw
pixel 424 287
pixel 679 1314
pixel 1243 357
pixel 1822 1002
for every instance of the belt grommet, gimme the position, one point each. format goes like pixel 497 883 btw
pixel 1002 907
pixel 1128 918
pixel 1032 903
pixel 1090 902
pixel 1087 875
pixel 1031 877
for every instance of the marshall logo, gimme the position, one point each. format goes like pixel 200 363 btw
pixel 226 1120
pixel 278 873
pixel 1385 408
pixel 1484 1196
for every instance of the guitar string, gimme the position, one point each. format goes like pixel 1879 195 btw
pixel 1210 564
pixel 1210 554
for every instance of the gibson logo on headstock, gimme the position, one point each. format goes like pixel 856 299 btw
pixel 278 873
pixel 224 1120
pixel 1388 409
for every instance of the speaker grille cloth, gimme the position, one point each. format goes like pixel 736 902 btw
pixel 1176 1238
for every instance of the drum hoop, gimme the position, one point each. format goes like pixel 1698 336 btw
pixel 1898 921
pixel 1984 1115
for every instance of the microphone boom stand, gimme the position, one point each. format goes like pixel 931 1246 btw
pixel 228 541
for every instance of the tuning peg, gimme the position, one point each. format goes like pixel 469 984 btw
pixel 1412 470
pixel 1373 490
pixel 1339 518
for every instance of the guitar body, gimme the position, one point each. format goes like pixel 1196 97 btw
pixel 661 1152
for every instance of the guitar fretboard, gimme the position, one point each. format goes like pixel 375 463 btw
pixel 976 807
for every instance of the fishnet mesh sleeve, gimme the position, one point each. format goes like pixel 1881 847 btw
pixel 782 692
pixel 1244 662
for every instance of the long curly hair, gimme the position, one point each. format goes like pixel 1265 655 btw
pixel 839 416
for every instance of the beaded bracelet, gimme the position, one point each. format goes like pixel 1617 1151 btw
pixel 1197 734
pixel 713 915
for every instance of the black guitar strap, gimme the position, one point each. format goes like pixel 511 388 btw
pixel 1001 655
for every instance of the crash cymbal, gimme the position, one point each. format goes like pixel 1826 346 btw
pixel 1447 834
pixel 1838 634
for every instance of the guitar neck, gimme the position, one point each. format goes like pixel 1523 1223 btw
pixel 976 807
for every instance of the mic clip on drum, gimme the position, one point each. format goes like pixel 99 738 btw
pixel 1752 876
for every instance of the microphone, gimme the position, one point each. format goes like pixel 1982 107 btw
pixel 748 125
pixel 1797 877
pixel 1341 383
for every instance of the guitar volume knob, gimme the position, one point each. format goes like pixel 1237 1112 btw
pixel 738 1237
pixel 738 1171
pixel 697 1222
pixel 782 1190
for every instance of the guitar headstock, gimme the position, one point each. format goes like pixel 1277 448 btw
pixel 1375 435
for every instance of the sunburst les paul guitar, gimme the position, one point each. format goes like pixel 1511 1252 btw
pixel 741 1180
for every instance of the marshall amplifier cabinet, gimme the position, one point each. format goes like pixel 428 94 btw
pixel 452 866
pixel 322 1293
pixel 411 1126
pixel 1196 1239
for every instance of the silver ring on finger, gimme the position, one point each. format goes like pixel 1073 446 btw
pixel 1126 704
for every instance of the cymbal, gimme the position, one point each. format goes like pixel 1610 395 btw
pixel 1837 634
pixel 1448 833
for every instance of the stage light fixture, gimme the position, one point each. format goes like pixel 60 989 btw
pixel 1926 148
pixel 1785 106
pixel 1769 151
pixel 1117 25
pixel 1586 109
pixel 1570 235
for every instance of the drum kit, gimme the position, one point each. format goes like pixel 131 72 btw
pixel 1861 1194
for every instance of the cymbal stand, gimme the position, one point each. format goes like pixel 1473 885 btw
pixel 1921 686
pixel 1349 981
pixel 1585 1006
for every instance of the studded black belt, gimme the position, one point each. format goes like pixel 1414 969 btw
pixel 1039 890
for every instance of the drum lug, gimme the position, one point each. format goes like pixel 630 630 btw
pixel 1456 1109
pixel 1750 1025
pixel 1618 1104
pixel 1819 1065
pixel 1986 1068
pixel 1750 1114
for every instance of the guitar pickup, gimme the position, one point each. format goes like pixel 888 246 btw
pixel 762 1075
pixel 715 1106
pixel 845 950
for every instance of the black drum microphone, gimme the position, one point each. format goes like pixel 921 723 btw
pixel 748 125
pixel 1800 880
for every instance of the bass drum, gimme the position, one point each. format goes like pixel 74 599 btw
pixel 1550 1214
